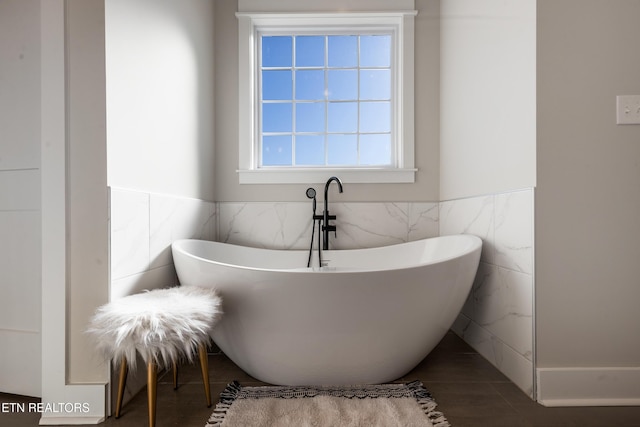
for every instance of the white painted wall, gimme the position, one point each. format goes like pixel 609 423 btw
pixel 159 61
pixel 87 197
pixel 74 205
pixel 20 331
pixel 487 97
pixel 587 203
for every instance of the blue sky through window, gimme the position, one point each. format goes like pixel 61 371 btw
pixel 326 100
pixel 310 117
pixel 310 51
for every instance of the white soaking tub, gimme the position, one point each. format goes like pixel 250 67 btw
pixel 369 317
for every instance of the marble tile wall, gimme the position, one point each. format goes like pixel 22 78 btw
pixel 143 226
pixel 360 225
pixel 497 319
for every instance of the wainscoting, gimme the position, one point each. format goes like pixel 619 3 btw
pixel 497 319
pixel 143 225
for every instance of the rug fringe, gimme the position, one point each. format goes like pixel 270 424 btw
pixel 227 397
pixel 428 404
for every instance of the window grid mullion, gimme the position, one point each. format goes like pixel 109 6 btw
pixel 326 100
pixel 259 119
pixel 294 106
pixel 358 113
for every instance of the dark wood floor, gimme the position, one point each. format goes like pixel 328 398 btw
pixel 468 389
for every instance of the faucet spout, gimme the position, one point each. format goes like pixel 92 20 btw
pixel 326 188
pixel 326 227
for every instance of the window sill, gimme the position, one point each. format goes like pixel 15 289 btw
pixel 320 175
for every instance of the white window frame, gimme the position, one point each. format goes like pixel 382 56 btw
pixel 250 24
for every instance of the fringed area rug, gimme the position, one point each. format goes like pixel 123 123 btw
pixel 387 405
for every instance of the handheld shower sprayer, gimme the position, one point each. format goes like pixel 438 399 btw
pixel 311 194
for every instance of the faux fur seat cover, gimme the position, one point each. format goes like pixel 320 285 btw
pixel 162 325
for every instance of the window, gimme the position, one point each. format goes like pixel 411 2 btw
pixel 324 94
pixel 325 100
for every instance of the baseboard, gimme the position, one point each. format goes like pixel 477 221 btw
pixel 73 404
pixel 588 386
pixel 62 421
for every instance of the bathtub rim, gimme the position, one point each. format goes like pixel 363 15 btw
pixel 475 244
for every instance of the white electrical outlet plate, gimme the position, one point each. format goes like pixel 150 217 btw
pixel 628 110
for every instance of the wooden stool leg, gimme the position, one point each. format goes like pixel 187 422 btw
pixel 124 369
pixel 204 365
pixel 175 375
pixel 152 382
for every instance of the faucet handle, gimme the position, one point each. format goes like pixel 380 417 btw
pixel 331 228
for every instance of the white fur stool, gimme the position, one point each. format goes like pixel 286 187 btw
pixel 163 326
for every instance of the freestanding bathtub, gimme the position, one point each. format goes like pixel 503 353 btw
pixel 369 317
